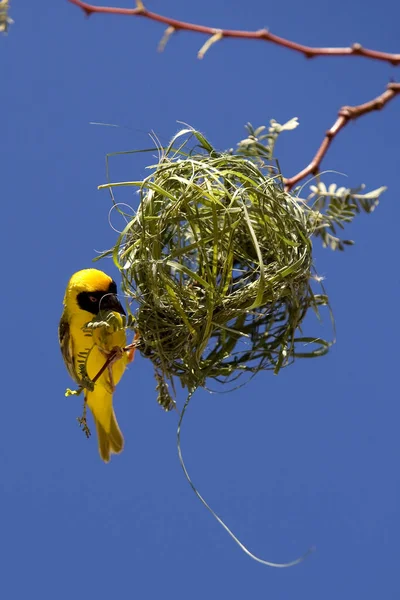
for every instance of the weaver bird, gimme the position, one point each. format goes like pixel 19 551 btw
pixel 89 292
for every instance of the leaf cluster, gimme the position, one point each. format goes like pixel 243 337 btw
pixel 335 207
pixel 5 20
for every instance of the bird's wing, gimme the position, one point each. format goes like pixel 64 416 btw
pixel 66 345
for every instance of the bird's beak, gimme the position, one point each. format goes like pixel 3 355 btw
pixel 111 302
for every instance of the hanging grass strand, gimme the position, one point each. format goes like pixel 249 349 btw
pixel 216 517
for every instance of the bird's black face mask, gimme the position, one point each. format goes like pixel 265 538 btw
pixel 97 301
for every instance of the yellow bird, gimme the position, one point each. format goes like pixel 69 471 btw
pixel 88 292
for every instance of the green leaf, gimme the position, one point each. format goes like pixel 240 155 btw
pixel 336 207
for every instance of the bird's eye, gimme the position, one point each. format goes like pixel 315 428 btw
pixel 92 298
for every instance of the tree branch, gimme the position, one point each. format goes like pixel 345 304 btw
pixel 346 114
pixel 262 34
pixel 112 355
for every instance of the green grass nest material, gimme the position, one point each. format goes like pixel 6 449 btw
pixel 218 258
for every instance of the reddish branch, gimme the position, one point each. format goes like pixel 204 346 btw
pixel 114 354
pixel 346 114
pixel 261 34
pixel 130 348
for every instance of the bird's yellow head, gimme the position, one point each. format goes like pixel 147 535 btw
pixel 91 290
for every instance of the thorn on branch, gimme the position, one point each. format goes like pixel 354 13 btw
pixel 218 35
pixel 165 38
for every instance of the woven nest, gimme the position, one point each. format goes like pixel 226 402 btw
pixel 218 259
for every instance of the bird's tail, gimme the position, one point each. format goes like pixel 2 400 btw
pixel 109 443
pixel 109 436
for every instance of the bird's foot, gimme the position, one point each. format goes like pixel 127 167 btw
pixel 83 421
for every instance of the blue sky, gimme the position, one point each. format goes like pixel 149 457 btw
pixel 306 458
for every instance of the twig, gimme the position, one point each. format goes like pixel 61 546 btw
pixel 110 358
pixel 82 420
pixel 107 362
pixel 346 114
pixel 262 34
